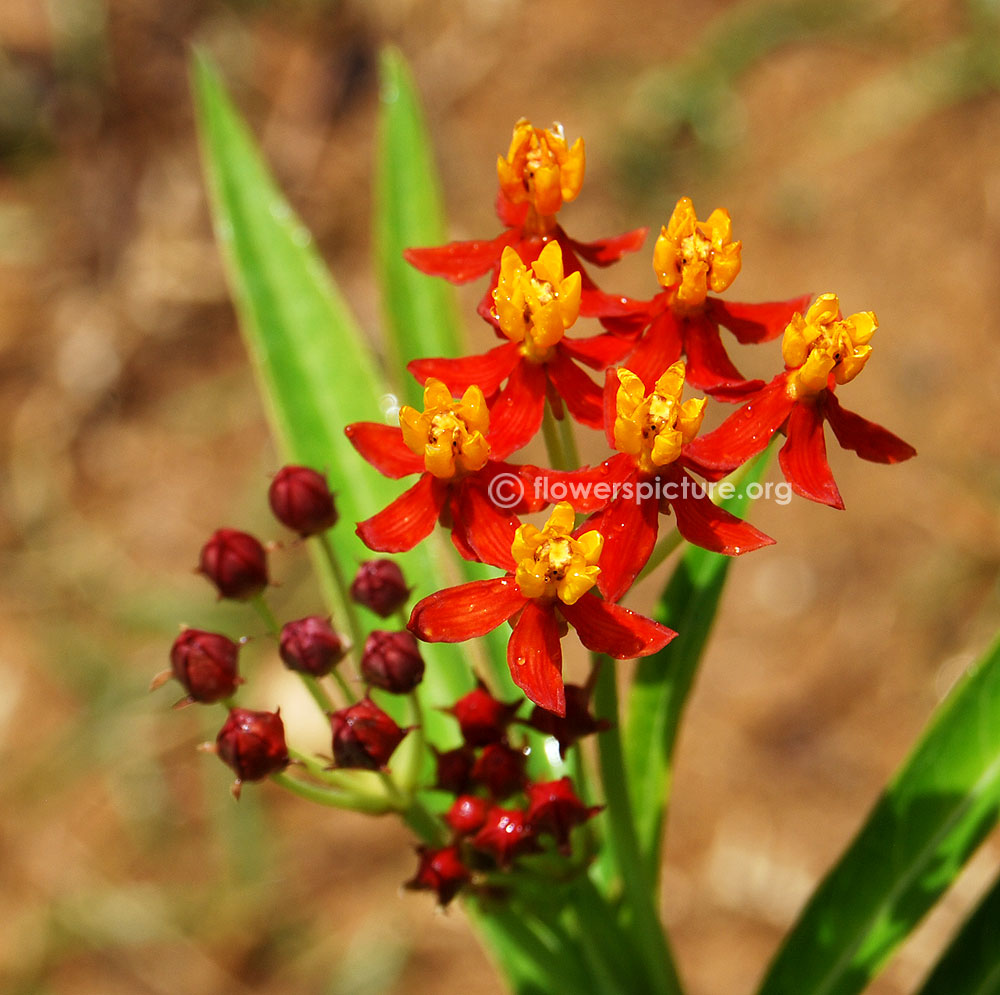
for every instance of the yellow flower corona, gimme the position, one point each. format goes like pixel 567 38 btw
pixel 551 563
pixel 824 342
pixel 541 169
pixel 696 256
pixel 653 429
pixel 536 305
pixel 449 434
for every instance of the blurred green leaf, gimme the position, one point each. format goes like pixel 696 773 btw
pixel 933 814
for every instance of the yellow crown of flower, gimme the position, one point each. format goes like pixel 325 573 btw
pixel 536 305
pixel 541 169
pixel 824 342
pixel 449 434
pixel 696 256
pixel 551 563
pixel 653 429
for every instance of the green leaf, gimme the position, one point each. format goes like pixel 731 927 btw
pixel 663 682
pixel 933 814
pixel 420 311
pixel 313 363
pixel 971 964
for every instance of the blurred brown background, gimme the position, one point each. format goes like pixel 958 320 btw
pixel 857 147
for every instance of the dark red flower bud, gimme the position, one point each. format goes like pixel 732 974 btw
pixel 554 808
pixel 380 586
pixel 253 744
pixel 441 871
pixel 235 563
pixel 301 499
pixel 500 768
pixel 392 661
pixel 481 717
pixel 467 814
pixel 505 835
pixel 310 646
pixel 206 665
pixel 364 736
pixel 576 723
pixel 454 769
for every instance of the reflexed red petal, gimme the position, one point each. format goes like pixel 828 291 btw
pixel 579 393
pixel 803 457
pixel 624 311
pixel 606 251
pixel 707 525
pixel 614 630
pixel 464 612
pixel 383 447
pixel 516 416
pixel 486 371
pixel 410 518
pixel 870 441
pixel 708 364
pixel 515 490
pixel 460 262
pixel 744 433
pixel 535 657
pixel 629 526
pixel 659 347
pixel 589 489
pixel 598 352
pixel 488 530
pixel 752 323
pixel 511 215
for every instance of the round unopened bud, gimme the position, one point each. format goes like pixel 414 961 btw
pixel 506 834
pixel 454 769
pixel 500 768
pixel 380 586
pixel 253 745
pixel 310 646
pixel 300 498
pixel 205 663
pixel 364 736
pixel 554 808
pixel 467 814
pixel 236 563
pixel 576 723
pixel 392 661
pixel 481 717
pixel 440 871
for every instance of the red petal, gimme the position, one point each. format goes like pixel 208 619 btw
pixel 488 531
pixel 517 415
pixel 581 394
pixel 609 401
pixel 410 518
pixel 460 262
pixel 870 441
pixel 598 352
pixel 383 447
pixel 589 489
pixel 487 371
pixel 606 251
pixel 803 456
pixel 535 657
pixel 705 524
pixel 658 348
pixel 511 215
pixel 614 630
pixel 708 364
pixel 744 433
pixel 596 303
pixel 752 323
pixel 629 526
pixel 464 612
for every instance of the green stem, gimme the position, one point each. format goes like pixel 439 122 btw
pixel 568 442
pixel 333 797
pixel 553 441
pixel 639 892
pixel 424 823
pixel 354 627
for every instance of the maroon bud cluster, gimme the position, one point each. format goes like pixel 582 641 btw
pixel 392 661
pixel 500 768
pixel 253 745
pixel 310 646
pixel 205 663
pixel 236 563
pixel 481 718
pixel 300 499
pixel 364 736
pixel 380 586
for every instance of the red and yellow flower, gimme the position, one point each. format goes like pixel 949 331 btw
pixel 821 349
pixel 550 574
pixel 692 258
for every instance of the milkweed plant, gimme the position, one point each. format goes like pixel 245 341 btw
pixel 538 802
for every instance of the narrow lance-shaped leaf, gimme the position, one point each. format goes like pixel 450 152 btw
pixel 934 813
